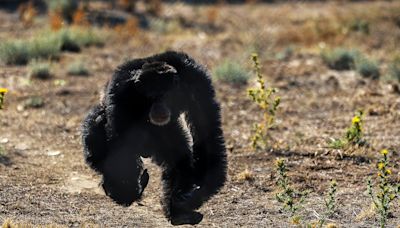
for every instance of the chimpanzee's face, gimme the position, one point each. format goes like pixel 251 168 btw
pixel 156 81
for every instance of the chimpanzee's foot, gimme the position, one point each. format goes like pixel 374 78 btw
pixel 191 218
pixel 181 199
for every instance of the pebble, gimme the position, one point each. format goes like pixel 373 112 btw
pixel 21 146
pixel 53 153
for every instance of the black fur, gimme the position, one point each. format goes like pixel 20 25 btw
pixel 117 132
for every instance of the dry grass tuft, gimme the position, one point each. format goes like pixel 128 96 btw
pixel 27 13
pixel 79 17
pixel 331 225
pixel 246 175
pixel 56 21
pixel 8 223
pixel 128 30
pixel 367 213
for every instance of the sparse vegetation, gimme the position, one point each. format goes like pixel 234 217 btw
pixel 48 45
pixel 268 102
pixel 34 102
pixel 87 37
pixel 245 175
pixel 393 73
pixel 68 43
pixel 360 25
pixel 285 54
pixel 367 68
pixel 15 52
pixel 343 59
pixel 45 46
pixel 354 134
pixel 41 70
pixel 77 68
pixel 330 203
pixel 1 151
pixel 291 199
pixel 387 192
pixel 3 92
pixel 339 58
pixel 231 72
pixel 165 26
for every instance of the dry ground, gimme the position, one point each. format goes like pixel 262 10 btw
pixel 43 178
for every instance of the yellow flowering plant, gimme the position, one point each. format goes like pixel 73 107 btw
pixel 3 92
pixel 266 100
pixel 387 192
pixel 354 134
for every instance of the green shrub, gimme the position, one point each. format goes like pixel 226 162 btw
pixel 393 73
pixel 359 25
pixel 48 45
pixel 367 68
pixel 86 37
pixel 34 102
pixel 45 46
pixel 231 72
pixel 73 39
pixel 40 70
pixel 2 152
pixel 285 54
pixel 14 52
pixel 68 43
pixel 164 26
pixel 342 59
pixel 339 58
pixel 77 68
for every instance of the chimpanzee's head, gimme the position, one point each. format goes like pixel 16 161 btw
pixel 156 80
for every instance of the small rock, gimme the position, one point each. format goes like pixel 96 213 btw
pixel 21 146
pixel 20 108
pixel 310 62
pixel 295 63
pixel 54 153
pixel 4 141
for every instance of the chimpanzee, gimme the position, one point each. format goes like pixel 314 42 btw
pixel 162 107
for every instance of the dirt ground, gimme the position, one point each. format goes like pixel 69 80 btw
pixel 43 177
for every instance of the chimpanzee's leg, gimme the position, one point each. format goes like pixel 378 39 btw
pixel 175 157
pixel 209 153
